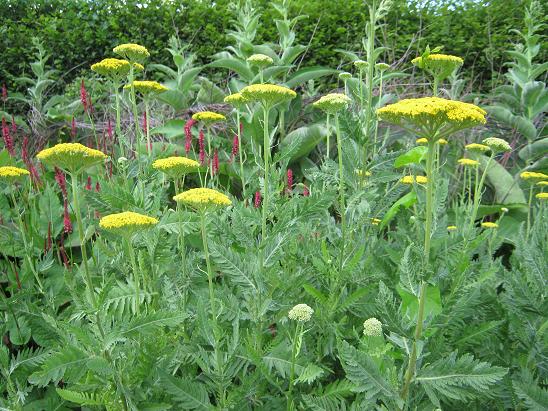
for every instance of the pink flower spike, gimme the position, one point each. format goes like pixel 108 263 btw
pixel 73 128
pixel 8 141
pixel 84 96
pixel 109 130
pixel 306 192
pixel 13 125
pixel 215 164
pixel 88 184
pixel 188 134
pixel 289 179
pixel 60 178
pixel 235 147
pixel 4 93
pixel 257 202
pixel 97 186
pixel 67 225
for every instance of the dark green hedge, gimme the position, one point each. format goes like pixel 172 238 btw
pixel 80 32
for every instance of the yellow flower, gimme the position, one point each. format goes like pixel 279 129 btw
pixel 72 157
pixel 442 141
pixel 126 223
pixel 542 196
pixel 112 67
pixel 451 228
pixel 268 94
pixel 467 162
pixel 433 114
pixel 533 177
pixel 414 179
pixel 208 117
pixel 260 60
pixel 497 145
pixel 477 148
pixel 542 183
pixel 332 103
pixel 9 174
pixel 147 87
pixel 439 65
pixel 131 51
pixel 176 166
pixel 422 140
pixel 203 198
pixel 236 100
pixel 375 221
pixel 362 173
pixel 488 224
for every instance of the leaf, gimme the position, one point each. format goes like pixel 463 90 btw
pixel 535 150
pixel 300 142
pixel 234 267
pixel 66 364
pixel 406 201
pixel 316 294
pixel 309 374
pixel 309 73
pixel 432 305
pixel 81 398
pixel 507 191
pixel 148 323
pixel 172 129
pixel 188 394
pixel 413 156
pixel 235 65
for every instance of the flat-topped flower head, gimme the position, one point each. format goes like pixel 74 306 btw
pixel 301 313
pixel 542 183
pixel 361 65
pixel 533 177
pixel 260 60
pixel 71 157
pixel 477 148
pixel 542 196
pixel 132 52
pixel 268 94
pixel 488 224
pixel 382 67
pixel 146 87
pixel 345 76
pixel 497 145
pixel 414 179
pixel 176 167
pixel 467 162
pixel 203 199
pixel 372 327
pixel 332 103
pixel 442 142
pixel 9 174
pixel 421 141
pixel 451 228
pixel 126 223
pixel 439 65
pixel 433 114
pixel 208 117
pixel 236 100
pixel 112 68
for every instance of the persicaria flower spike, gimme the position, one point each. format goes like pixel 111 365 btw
pixel 289 179
pixel 67 224
pixel 235 146
pixel 61 181
pixel 88 184
pixel 372 327
pixel 188 134
pixel 4 93
pixel 257 201
pixel 215 163
pixel 301 313
pixel 8 141
pixel 84 96
pixel 201 146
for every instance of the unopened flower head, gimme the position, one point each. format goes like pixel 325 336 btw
pixel 345 76
pixel 332 103
pixel 132 52
pixel 451 228
pixel 533 177
pixel 147 87
pixel 126 223
pixel 414 179
pixel 504 210
pixel 488 224
pixel 372 327
pixel 542 196
pixel 260 60
pixel 301 313
pixel 71 157
pixel 9 174
pixel 175 167
pixel 430 114
pixel 477 148
pixel 361 65
pixel 112 68
pixel 439 65
pixel 236 100
pixel 497 145
pixel 467 162
pixel 203 199
pixel 382 67
pixel 268 94
pixel 208 117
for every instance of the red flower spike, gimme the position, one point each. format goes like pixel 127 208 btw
pixel 13 125
pixel 73 129
pixel 235 147
pixel 257 202
pixel 60 178
pixel 67 225
pixel 97 186
pixel 34 176
pixel 4 93
pixel 289 179
pixel 110 134
pixel 25 150
pixel 88 184
pixel 47 244
pixel 306 192
pixel 188 134
pixel 84 96
pixel 8 141
pixel 215 164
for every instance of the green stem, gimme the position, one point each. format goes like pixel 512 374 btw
pixel 290 403
pixel 147 128
pixel 94 131
pixel 341 193
pixel 136 271
pixel 242 177
pixel 121 139
pixel 328 143
pixel 529 211
pixel 266 155
pixel 435 87
pixel 477 194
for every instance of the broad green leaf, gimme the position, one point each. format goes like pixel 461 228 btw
pixel 507 189
pixel 300 142
pixel 310 73
pixel 406 201
pixel 432 306
pixel 413 156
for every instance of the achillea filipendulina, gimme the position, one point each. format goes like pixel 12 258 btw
pixel 451 228
pixel 112 68
pixel 442 142
pixel 132 51
pixel 71 156
pixel 430 114
pixel 203 198
pixel 260 60
pixel 488 224
pixel 542 183
pixel 268 94
pixel 477 148
pixel 542 196
pixel 467 162
pixel 497 145
pixel 236 100
pixel 362 173
pixel 440 65
pixel 375 221
pixel 9 174
pixel 147 87
pixel 175 167
pixel 332 103
pixel 208 117
pixel 361 65
pixel 414 179
pixel 345 76
pixel 533 177
pixel 372 327
pixel 126 223
pixel 301 313
pixel 421 141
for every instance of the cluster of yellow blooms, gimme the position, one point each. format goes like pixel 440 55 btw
pixel 71 156
pixel 236 100
pixel 414 179
pixel 434 111
pixel 375 221
pixel 208 117
pixel 488 224
pixel 114 68
pixel 260 60
pixel 332 103
pixel 542 196
pixel 147 87
pixel 301 313
pixel 497 145
pixel 268 94
pixel 176 166
pixel 451 228
pixel 439 65
pixel 131 51
pixel 533 177
pixel 467 162
pixel 11 174
pixel 126 223
pixel 424 140
pixel 477 148
pixel 203 198
pixel 361 64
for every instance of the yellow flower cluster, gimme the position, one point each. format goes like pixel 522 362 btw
pixel 451 228
pixel 203 198
pixel 113 68
pixel 147 87
pixel 208 117
pixel 488 224
pixel 176 166
pixel 442 142
pixel 433 113
pixel 362 173
pixel 477 148
pixel 497 145
pixel 414 179
pixel 260 60
pixel 467 162
pixel 542 183
pixel 71 156
pixel 131 51
pixel 345 76
pixel 268 94
pixel 9 174
pixel 422 140
pixel 440 65
pixel 533 177
pixel 361 65
pixel 126 223
pixel 332 103
pixel 542 196
pixel 236 100
pixel 375 221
